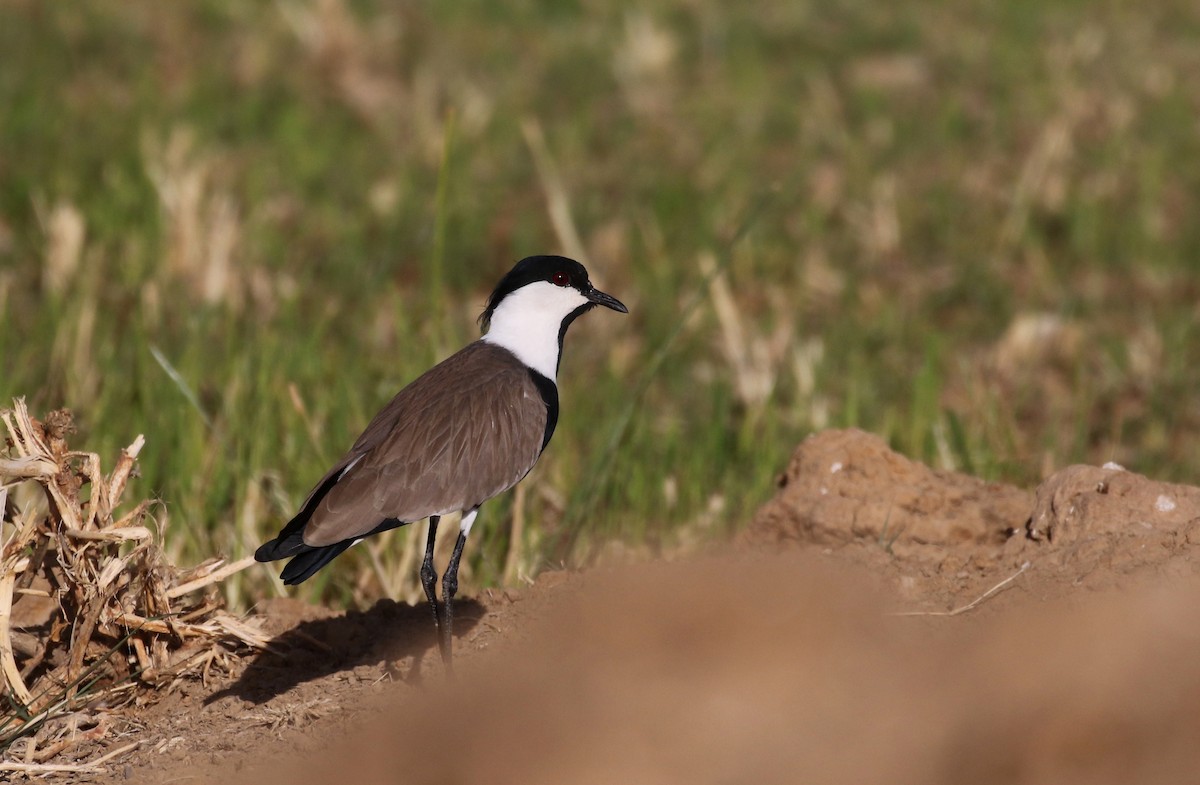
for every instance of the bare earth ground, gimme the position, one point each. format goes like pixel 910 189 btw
pixel 791 655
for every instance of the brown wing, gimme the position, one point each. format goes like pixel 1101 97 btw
pixel 468 429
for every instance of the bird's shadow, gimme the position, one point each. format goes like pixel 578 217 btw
pixel 382 635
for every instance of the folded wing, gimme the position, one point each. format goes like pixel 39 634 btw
pixel 439 446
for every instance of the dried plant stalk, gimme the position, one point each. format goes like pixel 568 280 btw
pixel 8 664
pixel 118 609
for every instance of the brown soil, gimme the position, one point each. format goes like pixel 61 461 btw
pixel 1055 638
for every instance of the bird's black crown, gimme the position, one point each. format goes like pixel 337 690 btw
pixel 536 268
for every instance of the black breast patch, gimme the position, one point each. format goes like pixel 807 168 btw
pixel 549 393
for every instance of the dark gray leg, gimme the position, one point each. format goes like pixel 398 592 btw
pixel 449 588
pixel 428 574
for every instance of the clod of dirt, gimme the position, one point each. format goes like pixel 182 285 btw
pixel 1084 501
pixel 846 485
pixel 1096 524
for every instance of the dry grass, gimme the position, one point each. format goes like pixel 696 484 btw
pixel 90 610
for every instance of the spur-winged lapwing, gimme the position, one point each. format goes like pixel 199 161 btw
pixel 466 430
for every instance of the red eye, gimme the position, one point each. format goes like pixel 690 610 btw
pixel 560 278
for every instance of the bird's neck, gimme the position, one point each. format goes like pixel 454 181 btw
pixel 533 335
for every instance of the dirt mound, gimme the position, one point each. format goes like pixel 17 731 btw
pixel 879 622
pixel 944 537
pixel 786 669
pixel 844 486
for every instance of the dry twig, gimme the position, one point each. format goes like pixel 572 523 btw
pixel 973 603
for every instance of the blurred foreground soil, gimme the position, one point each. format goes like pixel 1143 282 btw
pixel 877 622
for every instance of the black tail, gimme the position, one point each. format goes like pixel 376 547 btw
pixel 285 545
pixel 307 562
pixel 290 541
pixel 308 558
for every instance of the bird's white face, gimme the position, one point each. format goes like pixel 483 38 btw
pixel 527 322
